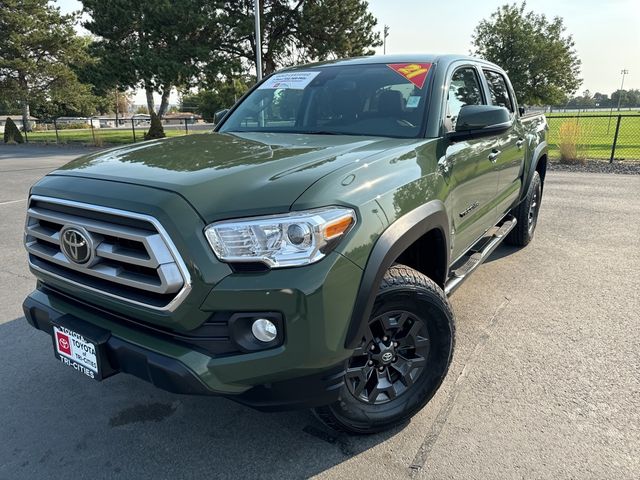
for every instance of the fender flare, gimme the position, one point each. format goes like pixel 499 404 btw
pixel 538 153
pixel 393 241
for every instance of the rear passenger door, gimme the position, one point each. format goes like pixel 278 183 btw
pixel 510 145
pixel 471 175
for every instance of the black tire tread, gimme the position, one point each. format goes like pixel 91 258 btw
pixel 398 276
pixel 519 236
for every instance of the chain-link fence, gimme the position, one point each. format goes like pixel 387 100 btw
pixel 99 131
pixel 610 137
pixel 593 136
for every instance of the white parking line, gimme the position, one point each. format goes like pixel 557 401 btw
pixel 12 201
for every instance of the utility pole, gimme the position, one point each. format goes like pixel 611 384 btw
pixel 624 72
pixel 258 40
pixel 384 39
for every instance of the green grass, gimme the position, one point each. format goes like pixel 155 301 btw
pixel 102 136
pixel 592 114
pixel 597 134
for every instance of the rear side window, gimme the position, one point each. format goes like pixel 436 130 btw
pixel 498 90
pixel 464 89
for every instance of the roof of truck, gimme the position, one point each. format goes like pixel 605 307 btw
pixel 404 58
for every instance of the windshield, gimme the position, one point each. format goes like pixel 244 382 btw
pixel 379 100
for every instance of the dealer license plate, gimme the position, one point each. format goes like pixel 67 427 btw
pixel 76 351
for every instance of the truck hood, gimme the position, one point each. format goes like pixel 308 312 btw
pixel 226 175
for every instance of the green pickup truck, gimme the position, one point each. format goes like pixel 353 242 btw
pixel 301 254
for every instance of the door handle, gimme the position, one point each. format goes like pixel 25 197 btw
pixel 519 143
pixel 493 156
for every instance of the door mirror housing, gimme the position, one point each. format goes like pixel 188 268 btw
pixel 481 120
pixel 219 115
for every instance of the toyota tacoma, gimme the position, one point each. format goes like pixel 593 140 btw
pixel 302 253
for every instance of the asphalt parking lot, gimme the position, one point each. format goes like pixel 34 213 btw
pixel 545 381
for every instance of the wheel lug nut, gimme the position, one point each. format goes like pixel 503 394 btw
pixel 372 347
pixel 370 362
pixel 395 344
pixel 395 359
pixel 384 339
pixel 381 369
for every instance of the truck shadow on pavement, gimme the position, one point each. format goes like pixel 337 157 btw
pixel 56 420
pixel 502 251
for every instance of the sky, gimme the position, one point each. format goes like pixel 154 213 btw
pixel 606 32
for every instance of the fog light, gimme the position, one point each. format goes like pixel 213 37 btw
pixel 264 330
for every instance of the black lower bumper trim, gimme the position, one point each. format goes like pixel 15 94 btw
pixel 171 375
pixel 302 392
pixel 163 372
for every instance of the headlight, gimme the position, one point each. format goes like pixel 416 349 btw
pixel 296 238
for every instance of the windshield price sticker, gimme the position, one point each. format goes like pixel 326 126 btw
pixel 290 80
pixel 416 73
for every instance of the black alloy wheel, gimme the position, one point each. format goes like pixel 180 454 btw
pixel 392 357
pixel 534 208
pixel 404 355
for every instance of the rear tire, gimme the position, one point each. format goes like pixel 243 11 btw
pixel 527 215
pixel 402 359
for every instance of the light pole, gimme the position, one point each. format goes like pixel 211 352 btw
pixel 258 41
pixel 624 72
pixel 384 39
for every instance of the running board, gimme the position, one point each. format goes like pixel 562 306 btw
pixel 475 257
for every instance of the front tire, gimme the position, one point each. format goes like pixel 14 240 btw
pixel 402 359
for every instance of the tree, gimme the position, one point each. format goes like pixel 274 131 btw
pixel 619 97
pixel 155 130
pixel 223 94
pixel 7 104
pixel 539 57
pixel 11 132
pixel 601 99
pixel 296 31
pixel 38 47
pixel 627 98
pixel 633 97
pixel 152 45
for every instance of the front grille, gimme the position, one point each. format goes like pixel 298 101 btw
pixel 133 258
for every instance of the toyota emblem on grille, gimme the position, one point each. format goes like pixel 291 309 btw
pixel 76 244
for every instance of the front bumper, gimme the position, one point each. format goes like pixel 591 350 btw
pixel 316 303
pixel 173 375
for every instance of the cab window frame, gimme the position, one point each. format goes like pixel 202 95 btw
pixel 510 94
pixel 445 102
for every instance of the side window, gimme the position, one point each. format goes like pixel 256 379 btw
pixel 464 89
pixel 498 90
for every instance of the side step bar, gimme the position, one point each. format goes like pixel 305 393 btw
pixel 475 257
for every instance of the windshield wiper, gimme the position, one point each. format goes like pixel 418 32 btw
pixel 321 132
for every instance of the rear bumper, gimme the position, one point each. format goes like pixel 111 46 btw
pixel 173 375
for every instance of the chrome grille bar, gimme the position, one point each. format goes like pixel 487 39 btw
pixel 139 257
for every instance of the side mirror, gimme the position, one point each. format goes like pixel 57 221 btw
pixel 219 115
pixel 522 111
pixel 481 120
